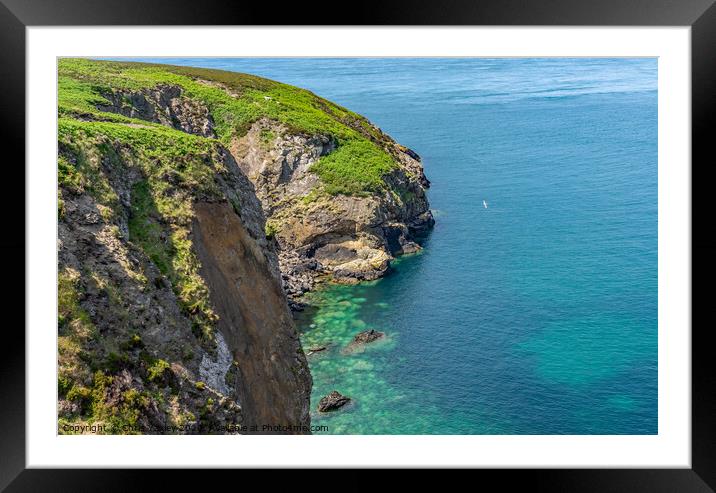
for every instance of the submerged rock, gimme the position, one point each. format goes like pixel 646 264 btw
pixel 367 336
pixel 361 339
pixel 331 402
pixel 316 349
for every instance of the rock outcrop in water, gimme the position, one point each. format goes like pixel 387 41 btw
pixel 367 336
pixel 363 338
pixel 331 402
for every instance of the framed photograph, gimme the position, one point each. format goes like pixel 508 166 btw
pixel 436 238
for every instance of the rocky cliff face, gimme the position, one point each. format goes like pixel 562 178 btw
pixel 351 238
pixel 190 203
pixel 273 382
pixel 172 315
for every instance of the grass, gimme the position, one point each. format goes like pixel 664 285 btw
pixel 145 229
pixel 267 138
pixel 235 101
pixel 355 168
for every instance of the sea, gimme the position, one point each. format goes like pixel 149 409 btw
pixel 532 308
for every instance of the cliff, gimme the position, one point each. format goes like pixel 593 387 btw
pixel 340 207
pixel 190 203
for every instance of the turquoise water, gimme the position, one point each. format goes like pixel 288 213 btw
pixel 537 315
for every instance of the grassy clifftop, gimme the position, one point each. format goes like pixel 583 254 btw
pixel 234 101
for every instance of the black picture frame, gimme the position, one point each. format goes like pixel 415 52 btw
pixel 16 15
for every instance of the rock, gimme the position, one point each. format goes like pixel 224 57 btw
pixel 67 408
pixel 317 349
pixel 331 402
pixel 361 339
pixel 421 223
pixel 164 104
pixel 297 277
pixel 411 247
pixel 411 153
pixel 367 336
pixel 213 369
pixel 296 306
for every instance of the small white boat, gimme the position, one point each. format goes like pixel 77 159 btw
pixel 485 204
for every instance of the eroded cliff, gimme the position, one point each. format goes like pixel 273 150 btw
pixel 321 227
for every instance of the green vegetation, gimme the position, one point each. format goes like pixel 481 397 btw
pixel 311 197
pixel 157 371
pixel 176 167
pixel 81 395
pixel 120 417
pixel 75 331
pixel 114 362
pixel 270 229
pixel 145 229
pixel 72 318
pixel 60 205
pixel 64 384
pixel 235 102
pixel 354 168
pixel 267 137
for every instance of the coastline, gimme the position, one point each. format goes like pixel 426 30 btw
pixel 535 315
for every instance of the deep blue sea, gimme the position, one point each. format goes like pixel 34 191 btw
pixel 535 315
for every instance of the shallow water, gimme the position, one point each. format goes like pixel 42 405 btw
pixel 535 315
